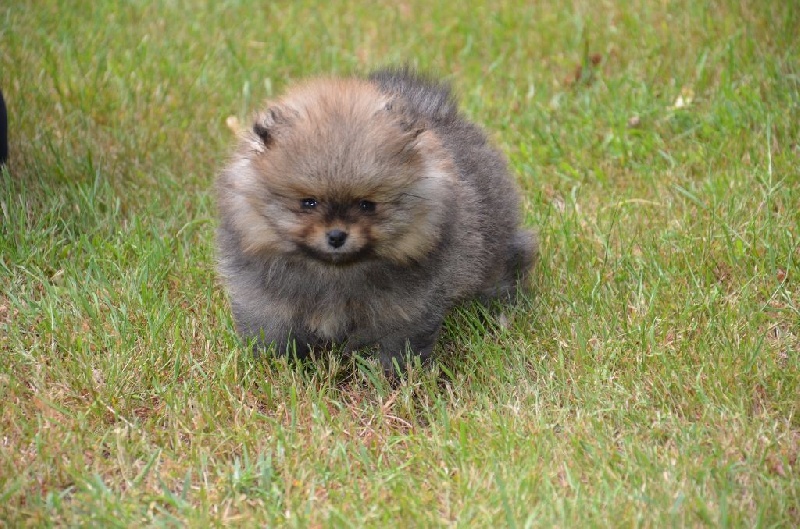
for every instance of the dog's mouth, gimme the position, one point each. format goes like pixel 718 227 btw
pixel 337 258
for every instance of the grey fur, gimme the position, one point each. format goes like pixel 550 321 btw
pixel 299 304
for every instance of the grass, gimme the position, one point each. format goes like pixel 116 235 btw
pixel 652 378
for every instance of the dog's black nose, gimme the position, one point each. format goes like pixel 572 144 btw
pixel 336 238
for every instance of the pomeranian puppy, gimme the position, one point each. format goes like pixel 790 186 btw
pixel 359 211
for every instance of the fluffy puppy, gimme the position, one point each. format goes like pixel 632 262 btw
pixel 359 211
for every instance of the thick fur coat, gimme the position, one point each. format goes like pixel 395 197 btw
pixel 359 211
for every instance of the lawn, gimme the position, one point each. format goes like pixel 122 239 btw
pixel 651 377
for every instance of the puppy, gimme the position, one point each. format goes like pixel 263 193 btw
pixel 358 212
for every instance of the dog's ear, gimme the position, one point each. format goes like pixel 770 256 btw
pixel 269 122
pixel 407 121
pixel 410 126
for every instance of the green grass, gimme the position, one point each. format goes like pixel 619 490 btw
pixel 651 379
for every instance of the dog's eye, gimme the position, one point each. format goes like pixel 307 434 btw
pixel 366 206
pixel 308 203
